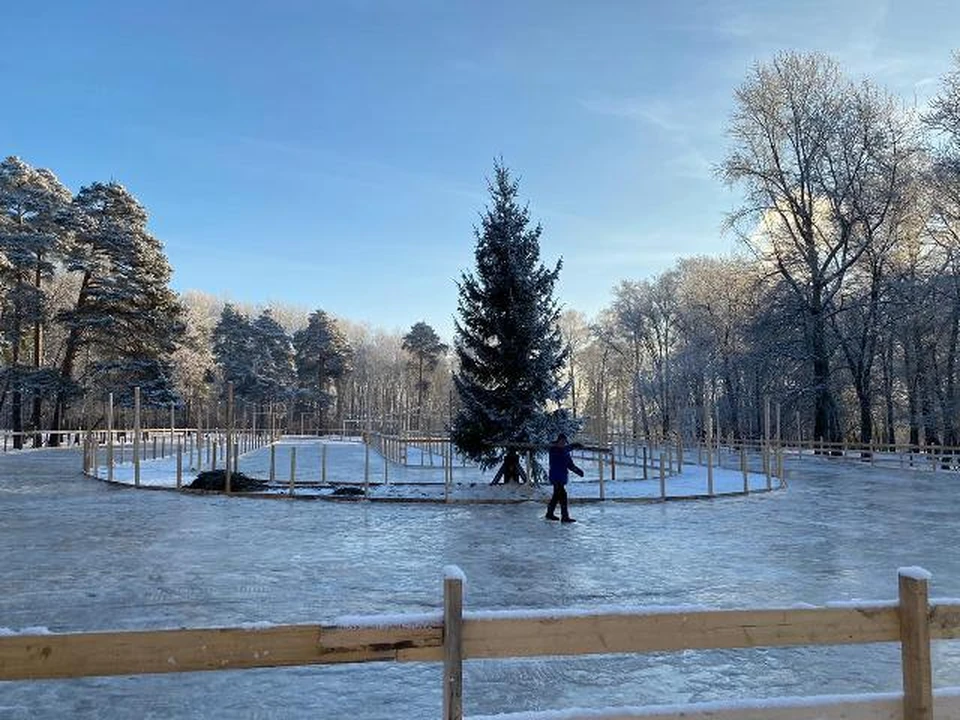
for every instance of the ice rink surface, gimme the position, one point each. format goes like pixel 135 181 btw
pixel 78 554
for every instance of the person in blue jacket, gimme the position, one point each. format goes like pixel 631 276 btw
pixel 560 465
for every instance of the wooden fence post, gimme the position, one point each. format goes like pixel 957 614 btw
pixel 293 467
pixel 663 476
pixel 603 495
pixel 136 436
pixel 228 449
pixel 710 489
pixel 743 468
pixel 179 466
pixel 110 438
pixel 366 468
pixel 915 644
pixel 453 643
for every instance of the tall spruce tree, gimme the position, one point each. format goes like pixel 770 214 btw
pixel 508 342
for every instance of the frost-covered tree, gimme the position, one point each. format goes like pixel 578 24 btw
pixel 233 348
pixel 424 345
pixel 32 240
pixel 819 160
pixel 322 356
pixel 124 313
pixel 508 343
pixel 274 358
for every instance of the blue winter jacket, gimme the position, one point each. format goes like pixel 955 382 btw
pixel 560 465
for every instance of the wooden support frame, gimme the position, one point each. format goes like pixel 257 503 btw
pixel 455 636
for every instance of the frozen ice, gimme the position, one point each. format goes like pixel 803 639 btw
pixel 81 555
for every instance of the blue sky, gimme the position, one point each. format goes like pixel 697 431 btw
pixel 334 154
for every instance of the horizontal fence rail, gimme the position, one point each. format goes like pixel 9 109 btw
pixel 453 636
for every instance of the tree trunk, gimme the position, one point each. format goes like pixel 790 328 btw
pixel 891 433
pixel 950 435
pixel 419 389
pixel 71 349
pixel 826 423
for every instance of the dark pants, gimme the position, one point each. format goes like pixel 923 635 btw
pixel 559 496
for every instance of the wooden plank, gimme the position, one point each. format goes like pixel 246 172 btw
pixel 24 657
pixel 489 636
pixel 945 621
pixel 915 646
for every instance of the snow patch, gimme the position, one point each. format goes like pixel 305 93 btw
pixel 858 603
pixel 408 620
pixel 36 630
pixel 452 572
pixel 914 572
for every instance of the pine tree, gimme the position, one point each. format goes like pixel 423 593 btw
pixel 125 311
pixel 32 240
pixel 274 358
pixel 233 348
pixel 508 340
pixel 422 342
pixel 322 356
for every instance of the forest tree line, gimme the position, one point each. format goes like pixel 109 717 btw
pixel 843 305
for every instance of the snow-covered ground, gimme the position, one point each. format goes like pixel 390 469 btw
pixel 347 463
pixel 78 554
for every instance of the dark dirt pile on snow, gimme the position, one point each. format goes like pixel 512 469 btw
pixel 214 480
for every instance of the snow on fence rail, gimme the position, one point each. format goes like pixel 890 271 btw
pixel 453 636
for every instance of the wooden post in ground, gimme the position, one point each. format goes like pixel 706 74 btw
pixel 710 489
pixel 228 450
pixel 273 462
pixel 173 425
pixel 323 462
pixel 663 476
pixel 136 436
pixel 779 437
pixel 799 436
pixel 110 437
pixel 603 495
pixel 179 466
pixel 453 643
pixel 915 644
pixel 717 430
pixel 613 463
pixel 366 468
pixel 766 437
pixel 743 468
pixel 293 467
pixel 645 477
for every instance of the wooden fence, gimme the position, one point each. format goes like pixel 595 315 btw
pixel 452 636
